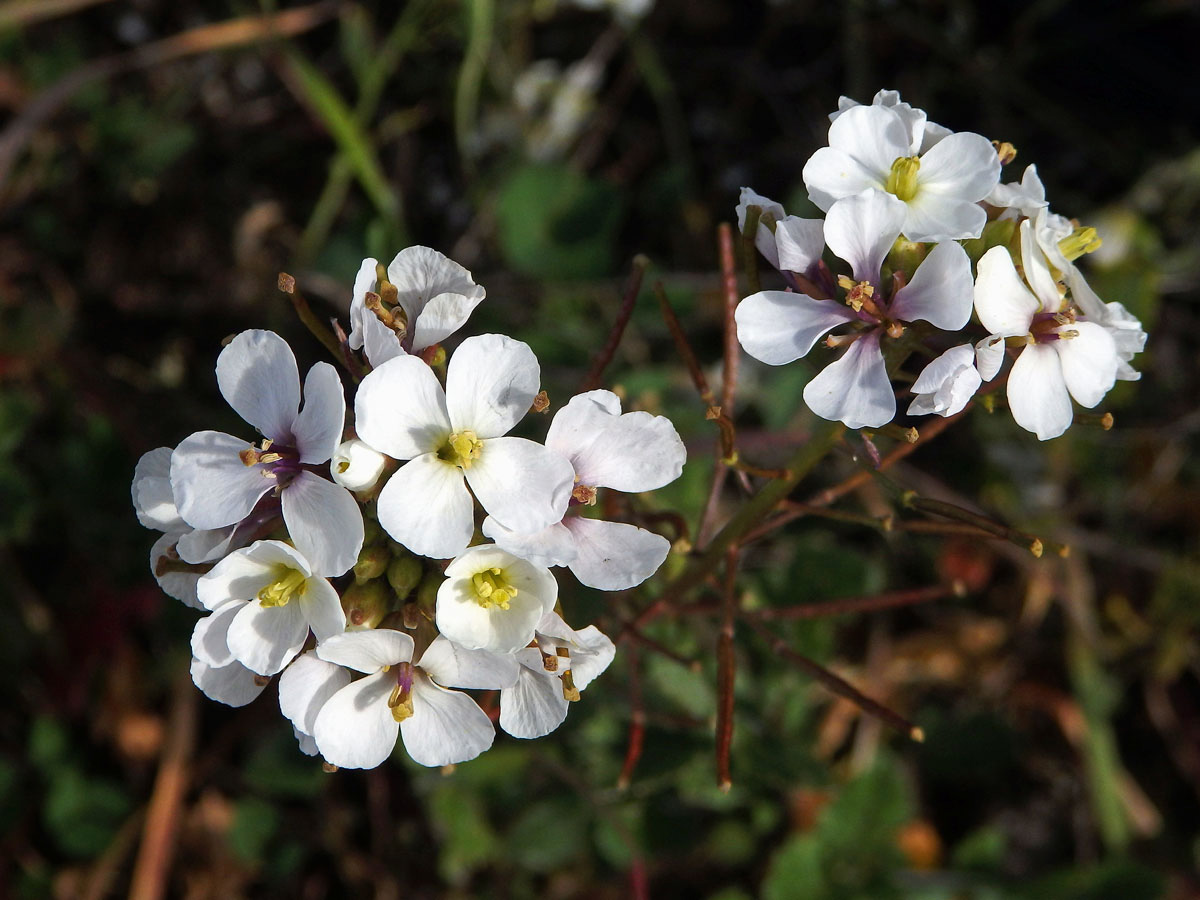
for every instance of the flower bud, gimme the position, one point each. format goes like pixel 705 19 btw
pixel 365 605
pixel 404 574
pixel 356 465
pixel 372 562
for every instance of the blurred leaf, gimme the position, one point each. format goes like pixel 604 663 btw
pixel 795 872
pixel 255 823
pixel 82 814
pixel 467 838
pixel 548 835
pixel 276 768
pixel 48 744
pixel 553 222
pixel 1117 879
pixel 982 849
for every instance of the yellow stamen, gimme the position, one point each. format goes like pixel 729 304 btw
pixel 461 449
pixel 902 179
pixel 400 700
pixel 1079 242
pixel 858 293
pixel 290 582
pixel 492 588
pixel 584 493
pixel 570 692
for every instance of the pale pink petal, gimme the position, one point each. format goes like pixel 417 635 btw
pixel 1089 362
pixel 426 506
pixel 1037 393
pixel 613 556
pixel 367 651
pixel 355 728
pixel 777 327
pixel 446 727
pixel 207 545
pixel 521 484
pixel 318 427
pixel 862 228
pixel 400 409
pixel 1004 304
pixel 258 377
pixel 325 523
pixel 211 485
pixel 854 389
pixel 491 381
pixel 941 292
pixel 305 686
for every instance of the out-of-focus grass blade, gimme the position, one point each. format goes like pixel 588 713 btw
pixel 480 16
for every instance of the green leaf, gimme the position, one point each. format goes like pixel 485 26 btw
pixel 796 871
pixel 255 823
pixel 548 835
pixel 468 840
pixel 83 814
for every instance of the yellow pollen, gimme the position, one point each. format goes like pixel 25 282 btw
pixel 461 449
pixel 280 592
pixel 400 700
pixel 1079 242
pixel 492 588
pixel 570 692
pixel 252 455
pixel 902 179
pixel 585 494
pixel 858 293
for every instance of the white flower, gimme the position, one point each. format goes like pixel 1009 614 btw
pixel 356 727
pixel 923 134
pixel 947 384
pixel 632 452
pixel 454 438
pixel 217 479
pixel 233 685
pixel 304 688
pixel 1063 356
pixel 425 299
pixel 794 245
pixel 265 598
pixel 493 600
pixel 558 104
pixel 626 11
pixel 1024 198
pixel 552 674
pixel 871 147
pixel 356 465
pixel 174 556
pixel 778 327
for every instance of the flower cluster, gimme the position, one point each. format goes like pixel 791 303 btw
pixel 930 239
pixel 354 562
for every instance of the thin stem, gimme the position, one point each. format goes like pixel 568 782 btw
pixel 868 603
pixel 749 250
pixel 287 284
pixel 726 671
pixel 609 350
pixel 637 721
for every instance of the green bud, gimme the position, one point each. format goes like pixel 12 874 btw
pixel 365 605
pixel 904 257
pixel 404 574
pixel 372 562
pixel 427 592
pixel 998 233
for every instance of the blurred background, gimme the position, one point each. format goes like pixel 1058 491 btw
pixel 161 163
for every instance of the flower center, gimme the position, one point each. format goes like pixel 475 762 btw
pixel 1079 242
pixel 492 588
pixel 278 461
pixel 902 179
pixel 860 297
pixel 584 494
pixel 1043 328
pixel 290 582
pixel 400 700
pixel 461 449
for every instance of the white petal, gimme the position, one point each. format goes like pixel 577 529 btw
pixel 355 728
pixel 265 640
pixel 211 485
pixel 457 667
pixel 380 343
pixel 233 685
pixel 1004 304
pixel 207 544
pixel 942 368
pixel 364 281
pixel 1089 362
pixel 596 652
pixel 324 521
pixel 989 356
pixel 523 485
pixel 862 228
pixel 777 327
pixel 962 165
pixel 553 546
pixel 864 141
pixel 305 686
pixel 306 742
pixel 854 389
pixel 534 706
pixel 446 727
pixel 460 617
pixel 833 174
pixel 800 243
pixel 1037 271
pixel 941 291
pixel 180 585
pixel 400 409
pixel 210 636
pixel 367 651
pixel 633 452
pixel 613 556
pixel 239 576
pixel 1037 394
pixel 763 239
pixel 420 274
pixel 941 217
pixel 947 384
pixel 426 506
pixel 151 492
pixel 318 427
pixel 356 465
pixel 258 377
pixel 443 315
pixel 491 381
pixel 322 608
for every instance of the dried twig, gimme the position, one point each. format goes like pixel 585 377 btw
pixel 726 671
pixel 605 356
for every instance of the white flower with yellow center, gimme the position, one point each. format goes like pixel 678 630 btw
pixel 456 437
pixel 265 599
pixel 356 725
pixel 630 452
pixel 873 147
pixel 419 300
pixel 493 600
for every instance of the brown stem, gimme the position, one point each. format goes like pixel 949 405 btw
pixel 838 685
pixel 319 330
pixel 1031 542
pixel 869 603
pixel 726 671
pixel 637 721
pixel 609 350
pixel 749 251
